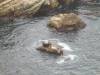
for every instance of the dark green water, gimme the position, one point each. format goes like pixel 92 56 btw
pixel 19 57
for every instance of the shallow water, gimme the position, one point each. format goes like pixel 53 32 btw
pixel 19 57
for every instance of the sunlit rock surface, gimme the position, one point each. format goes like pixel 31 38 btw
pixel 20 7
pixel 66 22
pixel 26 7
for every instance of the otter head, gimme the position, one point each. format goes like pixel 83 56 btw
pixel 46 44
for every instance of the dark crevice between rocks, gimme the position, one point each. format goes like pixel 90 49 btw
pixel 63 8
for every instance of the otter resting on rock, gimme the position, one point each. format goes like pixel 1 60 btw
pixel 66 22
pixel 50 48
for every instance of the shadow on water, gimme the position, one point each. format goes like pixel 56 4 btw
pixel 62 8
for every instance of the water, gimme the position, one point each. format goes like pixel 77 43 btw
pixel 19 57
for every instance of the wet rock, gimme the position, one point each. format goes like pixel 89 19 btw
pixel 51 3
pixel 66 22
pixel 50 47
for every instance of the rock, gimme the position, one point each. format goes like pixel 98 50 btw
pixel 49 47
pixel 20 7
pixel 66 22
pixel 51 3
pixel 68 2
pixel 27 7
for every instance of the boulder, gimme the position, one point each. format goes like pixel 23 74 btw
pixel 20 7
pixel 51 3
pixel 66 22
pixel 27 7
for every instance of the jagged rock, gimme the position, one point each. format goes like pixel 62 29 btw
pixel 20 7
pixel 26 7
pixel 66 22
pixel 51 3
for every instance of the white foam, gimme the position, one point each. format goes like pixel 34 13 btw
pixel 60 61
pixel 65 58
pixel 71 57
pixel 65 46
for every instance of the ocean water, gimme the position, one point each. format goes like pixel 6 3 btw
pixel 18 55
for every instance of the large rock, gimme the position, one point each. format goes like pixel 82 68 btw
pixel 20 7
pixel 66 22
pixel 25 7
pixel 68 2
pixel 51 3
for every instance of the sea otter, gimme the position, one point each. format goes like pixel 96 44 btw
pixel 50 48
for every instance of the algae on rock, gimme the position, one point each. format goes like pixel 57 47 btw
pixel 66 22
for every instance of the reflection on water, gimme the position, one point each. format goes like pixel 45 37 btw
pixel 19 57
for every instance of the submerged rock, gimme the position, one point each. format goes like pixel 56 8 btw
pixel 50 47
pixel 66 22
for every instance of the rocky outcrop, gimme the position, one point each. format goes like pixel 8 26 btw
pixel 25 7
pixel 51 3
pixel 19 7
pixel 66 22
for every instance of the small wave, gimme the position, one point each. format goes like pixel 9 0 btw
pixel 63 59
pixel 66 47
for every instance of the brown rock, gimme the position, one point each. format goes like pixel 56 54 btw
pixel 66 22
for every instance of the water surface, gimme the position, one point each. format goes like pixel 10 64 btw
pixel 19 57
